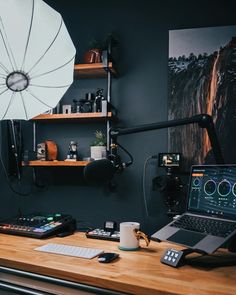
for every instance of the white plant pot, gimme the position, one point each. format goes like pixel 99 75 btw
pixel 98 152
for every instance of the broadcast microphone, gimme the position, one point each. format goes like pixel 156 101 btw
pixel 101 171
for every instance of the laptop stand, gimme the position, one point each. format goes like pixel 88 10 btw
pixel 232 244
pixel 176 258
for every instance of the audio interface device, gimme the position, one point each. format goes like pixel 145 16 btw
pixel 39 225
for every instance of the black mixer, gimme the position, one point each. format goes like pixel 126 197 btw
pixel 39 225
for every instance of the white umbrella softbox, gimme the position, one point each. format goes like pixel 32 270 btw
pixel 36 58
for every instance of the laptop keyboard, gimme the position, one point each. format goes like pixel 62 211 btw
pixel 219 228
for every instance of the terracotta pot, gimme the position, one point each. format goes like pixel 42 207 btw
pixel 92 56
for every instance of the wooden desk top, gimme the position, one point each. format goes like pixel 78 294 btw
pixel 137 272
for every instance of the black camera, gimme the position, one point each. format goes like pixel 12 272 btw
pixel 82 106
pixel 172 189
pixel 170 185
pixel 85 106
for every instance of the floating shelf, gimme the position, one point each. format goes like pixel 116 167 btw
pixel 93 70
pixel 74 116
pixel 39 163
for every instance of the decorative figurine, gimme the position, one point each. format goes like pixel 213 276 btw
pixel 72 154
pixel 98 100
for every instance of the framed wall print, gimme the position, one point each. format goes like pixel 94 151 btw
pixel 202 79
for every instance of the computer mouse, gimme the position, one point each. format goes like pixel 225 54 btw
pixel 107 257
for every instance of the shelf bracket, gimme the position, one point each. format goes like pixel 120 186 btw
pixel 105 60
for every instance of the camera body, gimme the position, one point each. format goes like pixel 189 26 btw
pixel 82 106
pixel 85 106
pixel 170 184
pixel 91 103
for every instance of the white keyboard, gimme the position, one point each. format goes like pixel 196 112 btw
pixel 70 250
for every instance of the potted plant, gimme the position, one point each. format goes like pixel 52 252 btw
pixel 93 55
pixel 96 47
pixel 98 147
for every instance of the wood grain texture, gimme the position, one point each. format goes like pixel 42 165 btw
pixel 93 70
pixel 38 163
pixel 137 272
pixel 73 116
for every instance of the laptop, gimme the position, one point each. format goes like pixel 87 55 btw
pixel 210 217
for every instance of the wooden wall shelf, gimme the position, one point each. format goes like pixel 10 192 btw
pixel 74 116
pixel 93 70
pixel 39 163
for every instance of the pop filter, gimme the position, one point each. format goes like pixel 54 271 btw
pixel 99 171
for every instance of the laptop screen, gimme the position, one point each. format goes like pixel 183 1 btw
pixel 212 190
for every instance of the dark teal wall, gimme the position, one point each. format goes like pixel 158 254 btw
pixel 140 95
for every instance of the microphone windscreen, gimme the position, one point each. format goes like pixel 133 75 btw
pixel 99 171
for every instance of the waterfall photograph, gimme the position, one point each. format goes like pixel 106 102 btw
pixel 202 79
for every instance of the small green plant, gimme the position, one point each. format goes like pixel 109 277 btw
pixel 100 139
pixel 96 44
pixel 103 44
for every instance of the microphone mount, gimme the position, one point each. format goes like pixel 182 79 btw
pixel 203 120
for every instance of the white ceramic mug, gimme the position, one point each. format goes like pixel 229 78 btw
pixel 130 236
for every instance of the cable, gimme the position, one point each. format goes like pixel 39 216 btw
pixel 144 183
pixel 9 182
pixel 130 156
pixel 7 177
pixel 211 260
